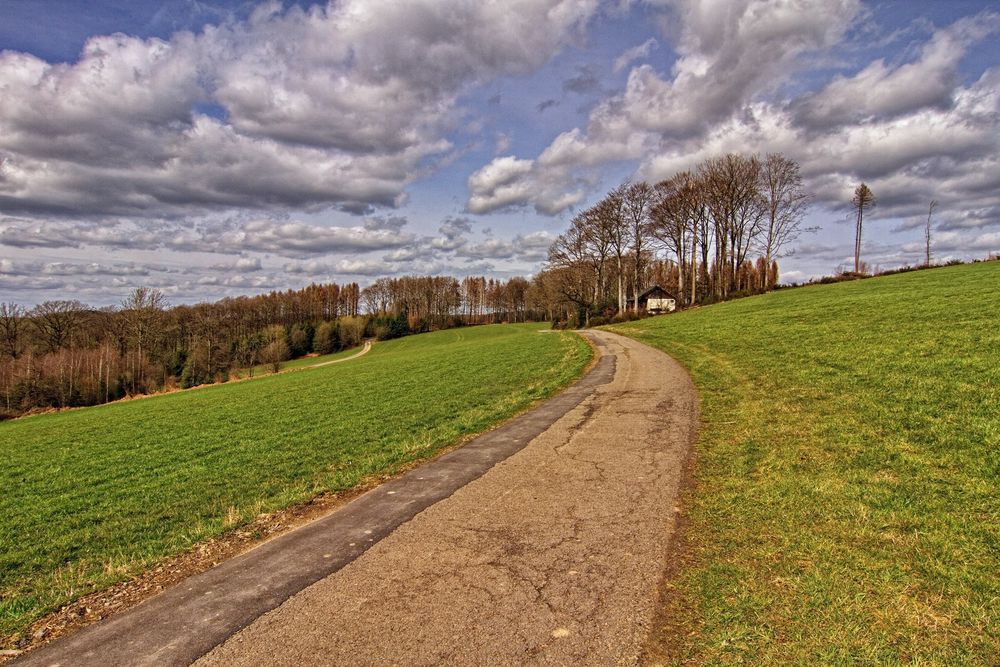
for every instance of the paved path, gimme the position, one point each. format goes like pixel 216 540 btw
pixel 551 557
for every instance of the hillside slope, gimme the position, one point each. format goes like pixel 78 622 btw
pixel 93 495
pixel 846 505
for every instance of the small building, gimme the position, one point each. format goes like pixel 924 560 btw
pixel 656 300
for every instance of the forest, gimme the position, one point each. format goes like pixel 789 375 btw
pixel 63 353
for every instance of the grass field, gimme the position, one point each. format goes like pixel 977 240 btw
pixel 846 506
pixel 92 495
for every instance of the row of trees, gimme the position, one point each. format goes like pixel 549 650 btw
pixel 718 230
pixel 434 301
pixel 63 353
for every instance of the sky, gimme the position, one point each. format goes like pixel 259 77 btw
pixel 217 148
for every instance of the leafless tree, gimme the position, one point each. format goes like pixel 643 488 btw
pixel 638 199
pixel 786 202
pixel 611 211
pixel 927 232
pixel 570 263
pixel 674 222
pixel 863 199
pixel 11 324
pixel 141 311
pixel 598 233
pixel 733 198
pixel 57 321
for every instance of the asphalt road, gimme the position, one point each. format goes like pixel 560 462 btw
pixel 541 542
pixel 554 556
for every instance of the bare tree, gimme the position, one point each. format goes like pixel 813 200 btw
pixel 863 199
pixel 141 311
pixel 732 189
pixel 57 321
pixel 611 210
pixel 927 232
pixel 786 202
pixel 637 200
pixel 573 273
pixel 11 321
pixel 597 232
pixel 674 222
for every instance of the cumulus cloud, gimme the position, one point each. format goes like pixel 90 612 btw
pixel 287 238
pixel 500 183
pixel 937 150
pixel 727 53
pixel 17 268
pixel 239 265
pixel 339 104
pixel 880 90
pixel 29 233
pixel 453 231
pixel 489 249
pixel 388 222
pixel 295 239
pixel 911 142
pixel 531 247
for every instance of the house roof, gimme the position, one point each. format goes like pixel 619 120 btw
pixel 652 291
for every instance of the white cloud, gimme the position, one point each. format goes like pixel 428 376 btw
pixel 911 146
pixel 728 53
pixel 240 265
pixel 879 90
pixel 635 53
pixel 342 104
pixel 500 183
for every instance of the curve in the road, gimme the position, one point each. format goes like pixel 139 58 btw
pixel 185 622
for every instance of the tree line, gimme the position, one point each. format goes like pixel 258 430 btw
pixel 63 353
pixel 705 234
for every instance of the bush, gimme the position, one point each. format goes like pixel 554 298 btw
pixel 326 340
pixel 300 340
pixel 274 353
pixel 386 327
pixel 196 370
pixel 350 331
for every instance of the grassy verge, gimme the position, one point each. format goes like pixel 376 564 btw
pixel 93 495
pixel 846 507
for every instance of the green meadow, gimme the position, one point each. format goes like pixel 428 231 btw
pixel 846 501
pixel 94 495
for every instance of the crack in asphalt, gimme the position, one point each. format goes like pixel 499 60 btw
pixel 498 553
pixel 552 557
